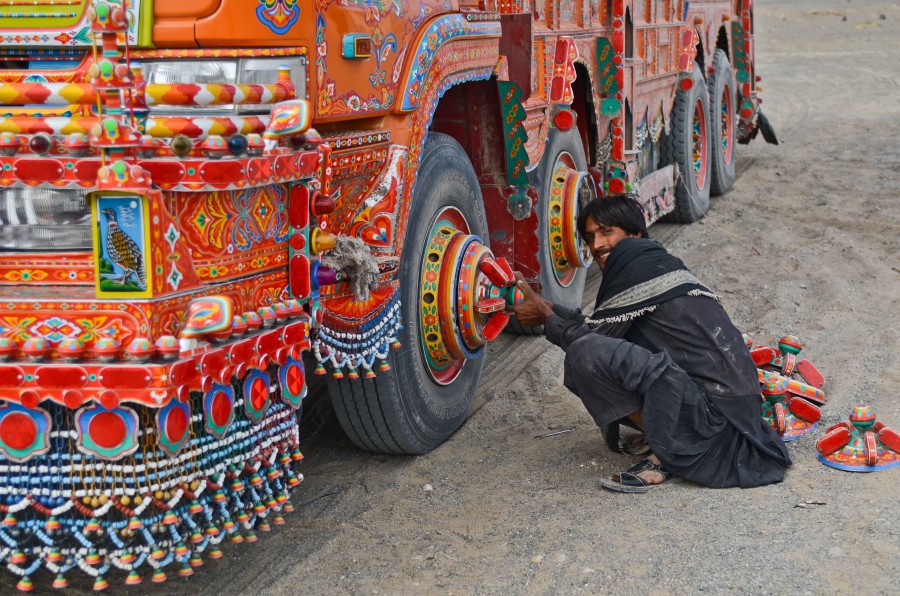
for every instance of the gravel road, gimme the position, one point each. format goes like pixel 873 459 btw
pixel 807 242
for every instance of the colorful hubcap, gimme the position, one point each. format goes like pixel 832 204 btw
pixel 699 137
pixel 727 124
pixel 570 191
pixel 458 311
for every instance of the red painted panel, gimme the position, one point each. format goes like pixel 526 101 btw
pixel 35 170
pixel 86 170
pixel 182 372
pixel 242 351
pixel 164 172
pixel 128 377
pixel 298 209
pixel 295 333
pixel 11 376
pixel 268 343
pixel 213 362
pixel 216 172
pixel 61 377
pixel 299 270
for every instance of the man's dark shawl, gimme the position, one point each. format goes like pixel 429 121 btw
pixel 713 437
pixel 639 275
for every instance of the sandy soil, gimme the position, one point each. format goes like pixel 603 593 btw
pixel 807 242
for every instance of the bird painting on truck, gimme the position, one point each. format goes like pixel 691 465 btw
pixel 124 252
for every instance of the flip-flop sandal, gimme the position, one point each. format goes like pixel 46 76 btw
pixel 630 482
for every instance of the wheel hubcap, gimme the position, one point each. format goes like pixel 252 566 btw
pixel 570 191
pixel 699 144
pixel 727 124
pixel 462 296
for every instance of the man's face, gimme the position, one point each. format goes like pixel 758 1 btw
pixel 601 239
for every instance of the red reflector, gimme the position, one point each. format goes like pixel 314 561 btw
pixel 564 119
pixel 686 83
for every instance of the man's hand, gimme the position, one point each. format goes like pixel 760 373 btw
pixel 534 308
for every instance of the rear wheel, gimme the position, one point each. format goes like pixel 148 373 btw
pixel 426 395
pixel 564 187
pixel 722 98
pixel 687 145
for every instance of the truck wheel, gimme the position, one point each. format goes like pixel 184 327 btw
pixel 563 186
pixel 424 397
pixel 687 145
pixel 722 101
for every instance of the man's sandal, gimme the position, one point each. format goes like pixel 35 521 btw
pixel 629 481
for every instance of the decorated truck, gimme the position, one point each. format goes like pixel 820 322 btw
pixel 202 202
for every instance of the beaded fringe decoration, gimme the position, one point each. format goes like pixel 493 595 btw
pixel 358 350
pixel 150 510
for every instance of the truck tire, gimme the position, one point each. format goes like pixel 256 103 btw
pixel 568 290
pixel 687 145
pixel 412 408
pixel 722 102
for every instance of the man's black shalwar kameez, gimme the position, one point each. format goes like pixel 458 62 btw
pixel 660 342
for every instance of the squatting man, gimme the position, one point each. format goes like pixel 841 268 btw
pixel 660 354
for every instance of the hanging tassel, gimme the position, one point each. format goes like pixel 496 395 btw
pixel 319 370
pixel 60 582
pixel 100 584
pixel 25 584
pixel 133 578
pixel 384 366
pixel 159 576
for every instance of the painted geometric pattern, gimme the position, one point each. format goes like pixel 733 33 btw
pixel 235 232
pixel 90 321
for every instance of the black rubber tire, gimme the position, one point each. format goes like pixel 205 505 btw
pixel 691 202
pixel 721 172
pixel 403 410
pixel 569 296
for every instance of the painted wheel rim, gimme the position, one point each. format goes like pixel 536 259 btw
pixel 698 142
pixel 570 191
pixel 457 313
pixel 727 117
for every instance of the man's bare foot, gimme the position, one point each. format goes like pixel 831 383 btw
pixel 639 478
pixel 650 476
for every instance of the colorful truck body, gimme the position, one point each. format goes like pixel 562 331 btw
pixel 200 198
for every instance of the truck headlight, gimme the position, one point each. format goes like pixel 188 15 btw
pixel 44 219
pixel 246 71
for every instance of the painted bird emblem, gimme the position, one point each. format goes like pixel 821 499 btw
pixel 123 251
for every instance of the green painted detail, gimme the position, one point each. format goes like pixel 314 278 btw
pixel 739 53
pixel 514 136
pixel 607 69
pixel 610 107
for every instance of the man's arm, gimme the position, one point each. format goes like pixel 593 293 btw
pixel 562 325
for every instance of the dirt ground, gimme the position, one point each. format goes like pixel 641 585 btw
pixel 807 242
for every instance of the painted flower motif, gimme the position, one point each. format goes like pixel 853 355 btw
pixel 431 276
pixel 430 320
pixel 354 103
